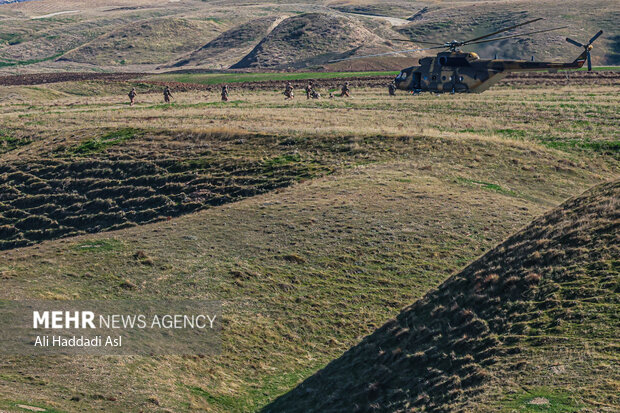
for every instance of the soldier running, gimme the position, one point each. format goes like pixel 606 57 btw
pixel 344 91
pixel 288 92
pixel 392 89
pixel 309 90
pixel 132 96
pixel 225 93
pixel 167 94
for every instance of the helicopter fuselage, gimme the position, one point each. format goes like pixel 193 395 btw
pixel 461 72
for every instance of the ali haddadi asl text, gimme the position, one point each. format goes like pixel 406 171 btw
pixel 75 341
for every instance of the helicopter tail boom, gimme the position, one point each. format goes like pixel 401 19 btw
pixel 524 66
pixel 529 66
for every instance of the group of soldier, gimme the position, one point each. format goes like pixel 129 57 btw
pixel 312 93
pixel 289 93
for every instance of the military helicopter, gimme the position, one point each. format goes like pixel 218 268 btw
pixel 455 71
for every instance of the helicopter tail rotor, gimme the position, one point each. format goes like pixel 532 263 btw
pixel 587 47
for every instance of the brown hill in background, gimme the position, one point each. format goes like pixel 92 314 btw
pixel 147 42
pixel 466 20
pixel 533 321
pixel 310 39
pixel 225 49
pixel 143 35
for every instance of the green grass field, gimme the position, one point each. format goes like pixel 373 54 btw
pixel 218 78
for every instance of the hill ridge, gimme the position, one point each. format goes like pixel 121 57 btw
pixel 239 39
pixel 526 298
pixel 311 38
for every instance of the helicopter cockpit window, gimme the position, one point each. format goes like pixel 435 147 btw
pixel 453 61
pixel 402 76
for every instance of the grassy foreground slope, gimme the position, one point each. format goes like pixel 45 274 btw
pixel 316 266
pixel 402 192
pixel 530 325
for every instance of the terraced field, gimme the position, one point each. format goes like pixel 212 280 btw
pixel 60 197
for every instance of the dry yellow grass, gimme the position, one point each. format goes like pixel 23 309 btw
pixel 533 115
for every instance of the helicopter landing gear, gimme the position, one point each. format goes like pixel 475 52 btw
pixel 416 91
pixel 452 92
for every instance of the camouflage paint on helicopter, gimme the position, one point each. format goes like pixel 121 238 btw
pixel 458 72
pixel 455 71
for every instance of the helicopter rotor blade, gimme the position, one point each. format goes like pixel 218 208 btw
pixel 595 37
pixel 502 30
pixel 417 41
pixel 576 43
pixel 518 35
pixel 385 54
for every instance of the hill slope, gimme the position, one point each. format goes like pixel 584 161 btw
pixel 34 34
pixel 227 47
pixel 466 20
pixel 148 42
pixel 531 323
pixel 311 38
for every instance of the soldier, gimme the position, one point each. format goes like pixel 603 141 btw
pixel 225 93
pixel 315 95
pixel 167 94
pixel 392 89
pixel 288 92
pixel 309 90
pixel 344 91
pixel 132 96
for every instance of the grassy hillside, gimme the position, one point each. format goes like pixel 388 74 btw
pixel 25 40
pixel 531 325
pixel 34 34
pixel 93 186
pixel 447 21
pixel 311 39
pixel 346 210
pixel 225 49
pixel 144 42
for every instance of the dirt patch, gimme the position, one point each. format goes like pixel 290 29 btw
pixel 602 78
pixel 539 401
pixel 43 78
pixel 31 408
